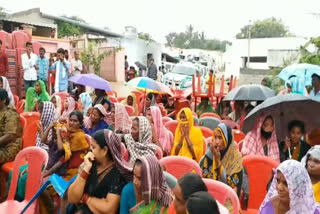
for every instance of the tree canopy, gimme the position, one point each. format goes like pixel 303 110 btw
pixel 267 28
pixel 311 57
pixel 67 29
pixel 192 39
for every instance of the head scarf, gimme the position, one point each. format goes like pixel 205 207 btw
pixel 6 86
pixel 123 122
pixel 231 158
pixel 297 85
pixel 114 145
pixel 252 144
pixel 145 145
pixel 164 135
pixel 314 152
pixel 153 102
pixel 32 97
pixel 71 108
pixel 86 102
pixel 299 185
pixel 154 186
pixel 195 136
pixel 202 202
pixel 59 106
pixel 87 120
pixel 47 118
pixel 134 103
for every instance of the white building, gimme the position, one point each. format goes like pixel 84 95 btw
pixel 264 53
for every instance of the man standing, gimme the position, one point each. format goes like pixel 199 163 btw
pixel 43 66
pixel 29 66
pixel 62 67
pixel 77 64
pixel 53 33
pixel 4 65
pixel 152 70
pixel 315 93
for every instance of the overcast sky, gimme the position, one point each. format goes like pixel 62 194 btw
pixel 220 19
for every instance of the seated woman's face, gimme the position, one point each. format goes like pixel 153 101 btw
pixel 130 100
pixel 95 115
pixel 99 153
pixel 74 122
pixel 183 117
pixel 313 166
pixel 267 125
pixel 282 187
pixel 179 202
pixel 113 113
pixel 137 179
pixel 135 130
pixel 66 104
pixel 149 116
pixel 106 106
pixel 37 88
pixel 1 84
pixel 295 134
pixel 148 102
pixel 218 141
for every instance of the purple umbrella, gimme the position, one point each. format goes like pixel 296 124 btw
pixel 91 80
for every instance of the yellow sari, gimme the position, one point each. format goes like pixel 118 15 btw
pixel 195 136
pixel 135 105
pixel 316 191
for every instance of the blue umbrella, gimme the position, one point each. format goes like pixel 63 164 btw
pixel 91 80
pixel 302 70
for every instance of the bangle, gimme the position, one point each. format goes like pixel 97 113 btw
pixel 85 198
pixel 180 145
pixel 84 175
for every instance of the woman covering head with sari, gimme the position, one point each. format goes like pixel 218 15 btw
pixel 204 106
pixel 262 140
pixel 290 191
pixel 295 85
pixel 139 141
pixel 312 163
pixel 85 102
pixel 36 95
pixel 132 101
pixel 69 106
pixel 101 177
pixel 150 190
pixel 56 100
pixel 96 121
pixel 188 141
pixel 47 117
pixel 121 122
pixel 163 135
pixel 4 83
pixel 223 161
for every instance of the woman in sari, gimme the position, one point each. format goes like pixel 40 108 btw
pixel 56 100
pixel 262 140
pixel 204 106
pixel 149 189
pixel 295 85
pixel 312 163
pixel 10 129
pixel 188 141
pixel 101 177
pixel 132 101
pixel 96 121
pixel 100 97
pixel 149 101
pixel 224 109
pixel 85 102
pixel 121 122
pixel 290 191
pixel 4 83
pixel 36 94
pixel 69 106
pixel 163 137
pixel 139 141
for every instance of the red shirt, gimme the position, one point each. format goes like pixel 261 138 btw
pixel 4 65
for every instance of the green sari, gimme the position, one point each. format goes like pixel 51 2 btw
pixel 200 109
pixel 32 98
pixel 152 208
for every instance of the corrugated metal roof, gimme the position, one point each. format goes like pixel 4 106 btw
pixel 9 19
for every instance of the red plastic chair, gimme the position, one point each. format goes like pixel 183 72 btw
pixel 112 93
pixel 179 166
pixel 16 100
pixel 113 99
pixel 130 110
pixel 31 116
pixel 159 153
pixel 222 192
pixel 20 106
pixel 238 135
pixel 139 95
pixel 172 126
pixel 231 123
pixel 62 95
pixel 210 114
pixel 120 99
pixel 206 132
pixel 259 170
pixel 37 159
pixel 166 119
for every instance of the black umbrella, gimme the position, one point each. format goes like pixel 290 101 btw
pixel 252 92
pixel 284 109
pixel 141 66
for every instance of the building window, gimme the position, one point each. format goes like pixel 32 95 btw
pixel 258 59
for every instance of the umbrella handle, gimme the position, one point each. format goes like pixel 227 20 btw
pixel 289 150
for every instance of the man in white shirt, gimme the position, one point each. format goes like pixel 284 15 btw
pixel 315 93
pixel 29 65
pixel 77 64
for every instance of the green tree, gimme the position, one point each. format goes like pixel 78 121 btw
pixel 311 57
pixel 89 58
pixel 67 29
pixel 267 28
pixel 3 12
pixel 145 36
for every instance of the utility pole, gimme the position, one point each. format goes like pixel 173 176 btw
pixel 249 38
